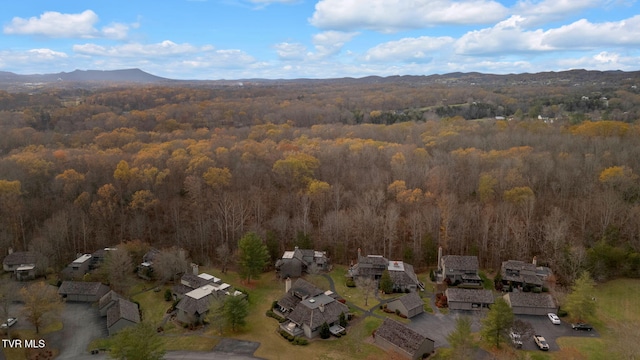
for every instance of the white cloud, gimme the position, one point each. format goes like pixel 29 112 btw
pixel 46 54
pixel 408 49
pixel 510 36
pixel 546 11
pixel 165 48
pixel 331 42
pixel 395 15
pixel 32 61
pixel 58 25
pixel 290 51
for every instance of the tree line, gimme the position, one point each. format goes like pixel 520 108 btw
pixel 145 164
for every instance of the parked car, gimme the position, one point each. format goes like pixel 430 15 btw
pixel 541 342
pixel 516 339
pixel 9 323
pixel 582 326
pixel 554 318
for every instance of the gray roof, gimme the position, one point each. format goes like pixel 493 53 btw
pixel 405 277
pixel 82 288
pixel 194 281
pixel 460 262
pixel 107 298
pixel 19 258
pixel 469 295
pixel 123 309
pixel 401 336
pixel 411 301
pixel 301 289
pixel 317 310
pixel 529 299
pixel 193 306
pixel 519 271
pixel 375 260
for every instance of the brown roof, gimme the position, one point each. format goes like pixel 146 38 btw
pixel 460 262
pixel 469 295
pixel 411 301
pixel 20 258
pixel 123 309
pixel 529 299
pixel 519 271
pixel 404 277
pixel 82 288
pixel 401 336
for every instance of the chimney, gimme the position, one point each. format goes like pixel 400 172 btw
pixel 321 307
pixel 439 257
pixel 194 267
pixel 287 285
pixel 10 250
pixel 535 261
pixel 359 254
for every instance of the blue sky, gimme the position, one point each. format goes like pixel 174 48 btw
pixel 239 39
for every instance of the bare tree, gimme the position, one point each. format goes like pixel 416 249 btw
pixel 368 286
pixel 170 263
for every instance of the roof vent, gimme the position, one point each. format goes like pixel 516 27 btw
pixel 312 300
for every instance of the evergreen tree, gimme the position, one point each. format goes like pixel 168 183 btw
pixel 253 256
pixel 579 303
pixel 342 319
pixel 460 339
pixel 325 333
pixel 235 311
pixel 386 284
pixel 140 342
pixel 496 325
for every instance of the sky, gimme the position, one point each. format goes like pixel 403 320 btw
pixel 287 39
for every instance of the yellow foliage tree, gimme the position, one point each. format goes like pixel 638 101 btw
pixel 297 167
pixel 217 177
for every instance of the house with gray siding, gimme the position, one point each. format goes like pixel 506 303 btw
pixel 528 303
pixel 122 314
pixel 408 305
pixel 468 299
pixel 460 270
pixel 82 291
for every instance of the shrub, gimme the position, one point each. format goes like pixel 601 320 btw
pixel 350 282
pixel 271 314
pixel 432 275
pixel 167 295
pixel 274 304
pixel 537 290
pixel 325 333
pixel 562 312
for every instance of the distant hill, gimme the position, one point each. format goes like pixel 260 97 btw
pixel 82 76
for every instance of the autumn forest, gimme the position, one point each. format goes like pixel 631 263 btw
pixel 506 170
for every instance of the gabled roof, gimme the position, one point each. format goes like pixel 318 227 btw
pixel 108 298
pixel 460 262
pixel 193 306
pixel 401 336
pixel 194 281
pixel 411 301
pixel 375 260
pixel 20 258
pixel 469 295
pixel 519 271
pixel 402 274
pixel 529 299
pixel 123 309
pixel 301 289
pixel 82 288
pixel 317 310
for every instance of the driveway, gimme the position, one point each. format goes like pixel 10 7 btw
pixel 437 326
pixel 543 326
pixel 81 324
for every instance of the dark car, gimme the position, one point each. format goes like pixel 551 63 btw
pixel 582 326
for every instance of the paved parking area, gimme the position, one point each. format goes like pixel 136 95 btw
pixel 81 324
pixel 543 326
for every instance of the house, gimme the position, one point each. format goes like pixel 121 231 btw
pixel 459 270
pixel 194 305
pixel 121 314
pixel 191 281
pixel 295 263
pixel 408 305
pixel 98 257
pixel 145 269
pixel 403 277
pixel 22 264
pixel 368 266
pixel 306 308
pixel 520 274
pixel 78 268
pixel 106 301
pixel 528 303
pixel 396 337
pixel 82 291
pixel 468 299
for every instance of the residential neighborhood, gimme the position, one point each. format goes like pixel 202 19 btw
pixel 407 323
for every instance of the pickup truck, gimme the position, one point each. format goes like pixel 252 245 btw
pixel 541 342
